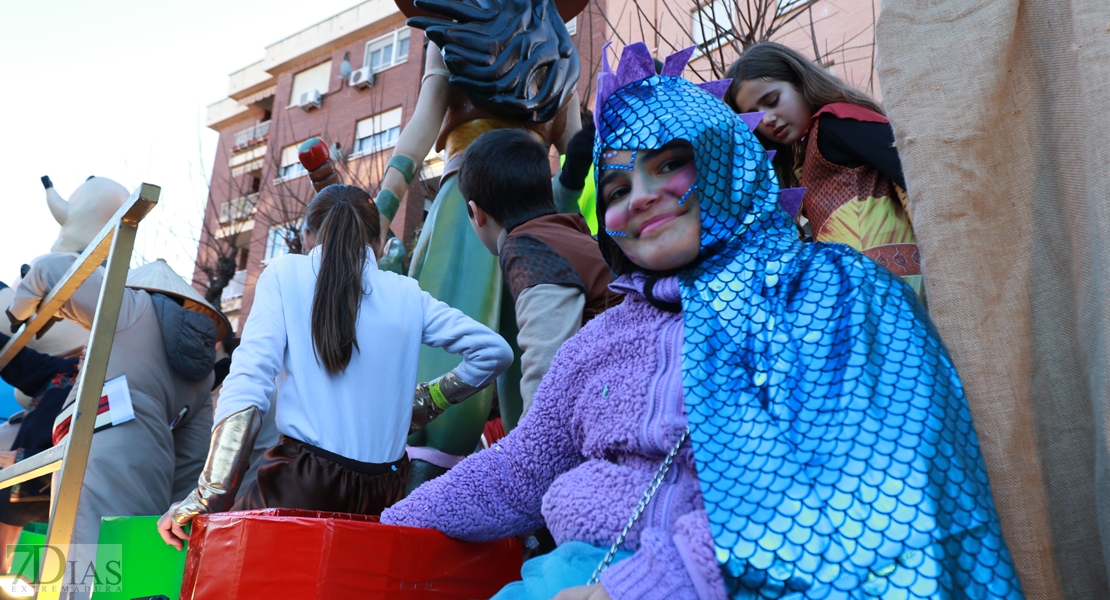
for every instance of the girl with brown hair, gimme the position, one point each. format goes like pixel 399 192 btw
pixel 340 342
pixel 835 142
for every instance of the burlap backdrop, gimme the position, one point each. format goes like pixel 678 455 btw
pixel 1000 113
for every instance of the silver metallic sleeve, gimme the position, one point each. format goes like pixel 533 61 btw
pixel 436 396
pixel 228 460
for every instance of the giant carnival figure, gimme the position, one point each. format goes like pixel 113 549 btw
pixel 46 370
pixel 489 64
pixel 165 346
pixel 81 216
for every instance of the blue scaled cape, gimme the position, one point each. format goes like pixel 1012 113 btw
pixel 833 441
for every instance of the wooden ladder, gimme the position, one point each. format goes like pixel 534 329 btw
pixel 114 243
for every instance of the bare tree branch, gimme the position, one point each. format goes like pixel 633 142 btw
pixel 871 73
pixel 612 28
pixel 723 29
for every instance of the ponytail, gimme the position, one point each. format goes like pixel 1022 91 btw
pixel 345 223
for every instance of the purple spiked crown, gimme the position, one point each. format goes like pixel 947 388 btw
pixel 637 64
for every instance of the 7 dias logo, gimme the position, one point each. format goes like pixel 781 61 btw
pixel 95 568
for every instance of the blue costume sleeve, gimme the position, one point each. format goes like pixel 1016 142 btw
pixel 30 371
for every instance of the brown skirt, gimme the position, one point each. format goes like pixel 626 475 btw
pixel 295 474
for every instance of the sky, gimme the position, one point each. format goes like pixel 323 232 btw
pixel 118 89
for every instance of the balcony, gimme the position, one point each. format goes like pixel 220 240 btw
pixel 251 136
pixel 236 216
pixel 238 209
pixel 249 161
pixel 232 295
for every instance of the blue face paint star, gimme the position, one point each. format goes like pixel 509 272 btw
pixel 833 442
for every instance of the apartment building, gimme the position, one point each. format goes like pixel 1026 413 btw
pixel 353 81
pixel 350 80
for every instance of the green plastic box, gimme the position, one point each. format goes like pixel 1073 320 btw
pixel 31 540
pixel 149 567
pixel 33 534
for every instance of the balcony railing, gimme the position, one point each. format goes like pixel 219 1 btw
pixel 238 209
pixel 252 136
pixel 234 287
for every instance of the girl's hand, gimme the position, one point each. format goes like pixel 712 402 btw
pixel 583 592
pixel 171 532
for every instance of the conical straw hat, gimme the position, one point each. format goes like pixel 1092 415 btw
pixel 158 277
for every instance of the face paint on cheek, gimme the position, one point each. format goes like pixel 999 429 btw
pixel 615 221
pixel 682 183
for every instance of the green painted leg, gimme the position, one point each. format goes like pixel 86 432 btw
pixel 508 384
pixel 452 265
pixel 419 472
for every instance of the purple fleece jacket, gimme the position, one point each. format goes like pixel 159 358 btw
pixel 603 419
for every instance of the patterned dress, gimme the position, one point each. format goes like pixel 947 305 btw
pixel 859 206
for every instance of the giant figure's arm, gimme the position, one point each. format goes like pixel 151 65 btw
pixel 58 205
pixel 46 271
pixel 417 137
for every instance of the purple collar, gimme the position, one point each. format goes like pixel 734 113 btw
pixel 665 290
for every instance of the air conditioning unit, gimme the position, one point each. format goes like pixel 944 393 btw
pixel 362 78
pixel 310 100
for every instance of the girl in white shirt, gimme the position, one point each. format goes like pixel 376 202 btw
pixel 340 340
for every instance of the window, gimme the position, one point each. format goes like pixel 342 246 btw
pixel 290 163
pixel 434 165
pixel 713 24
pixel 572 25
pixel 317 78
pixel 387 51
pixel 244 254
pixel 276 244
pixel 378 132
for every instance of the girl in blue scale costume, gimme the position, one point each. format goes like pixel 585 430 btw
pixel 832 451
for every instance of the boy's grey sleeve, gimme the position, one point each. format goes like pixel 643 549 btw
pixel 546 315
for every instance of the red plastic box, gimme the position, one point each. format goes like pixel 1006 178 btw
pixel 285 553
